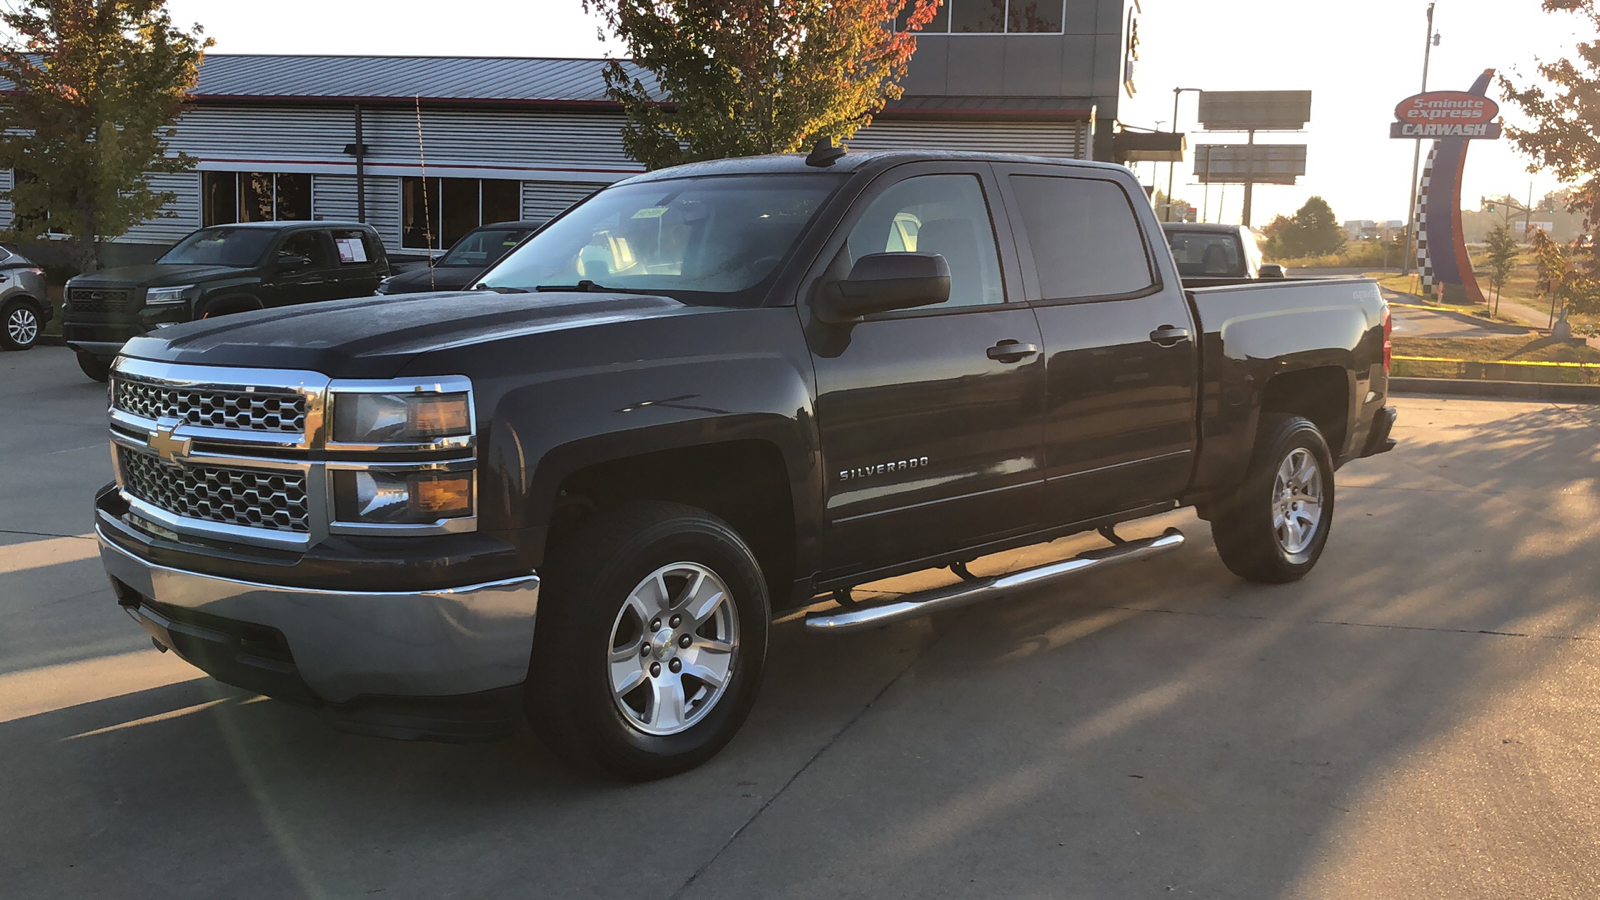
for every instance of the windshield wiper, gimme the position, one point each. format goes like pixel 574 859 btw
pixel 500 289
pixel 588 287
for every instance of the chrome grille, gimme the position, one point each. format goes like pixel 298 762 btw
pixel 212 408
pixel 99 300
pixel 243 497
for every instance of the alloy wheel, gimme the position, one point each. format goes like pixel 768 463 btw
pixel 1297 501
pixel 22 326
pixel 674 645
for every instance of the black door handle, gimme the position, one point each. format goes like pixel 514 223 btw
pixel 1169 336
pixel 1012 351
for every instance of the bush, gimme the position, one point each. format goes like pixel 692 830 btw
pixel 1357 254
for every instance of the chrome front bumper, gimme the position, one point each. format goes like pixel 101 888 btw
pixel 350 644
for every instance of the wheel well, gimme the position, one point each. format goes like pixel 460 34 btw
pixel 233 303
pixel 1321 395
pixel 38 305
pixel 745 483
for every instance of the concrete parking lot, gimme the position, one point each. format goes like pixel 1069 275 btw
pixel 1418 718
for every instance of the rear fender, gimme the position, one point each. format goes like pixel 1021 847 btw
pixel 1250 340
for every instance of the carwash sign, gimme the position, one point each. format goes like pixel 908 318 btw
pixel 1452 120
pixel 1446 114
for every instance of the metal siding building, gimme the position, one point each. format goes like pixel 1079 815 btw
pixel 540 133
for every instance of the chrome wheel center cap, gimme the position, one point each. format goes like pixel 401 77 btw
pixel 661 644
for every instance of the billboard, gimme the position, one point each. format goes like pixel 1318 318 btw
pixel 1252 163
pixel 1255 110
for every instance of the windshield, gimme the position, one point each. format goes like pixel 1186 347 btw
pixel 707 238
pixel 483 248
pixel 238 248
pixel 1201 253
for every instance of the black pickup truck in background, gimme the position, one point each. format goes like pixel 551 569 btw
pixel 1209 255
pixel 218 271
pixel 702 397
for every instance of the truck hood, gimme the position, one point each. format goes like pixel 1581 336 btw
pixel 375 337
pixel 154 276
pixel 444 278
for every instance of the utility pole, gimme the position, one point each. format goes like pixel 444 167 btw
pixel 1249 180
pixel 1177 92
pixel 1416 156
pixel 1527 221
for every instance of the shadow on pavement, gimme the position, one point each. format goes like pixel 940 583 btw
pixel 1379 729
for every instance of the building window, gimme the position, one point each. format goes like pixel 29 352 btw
pixel 993 17
pixel 438 211
pixel 229 197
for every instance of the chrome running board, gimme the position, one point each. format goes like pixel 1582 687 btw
pixel 968 592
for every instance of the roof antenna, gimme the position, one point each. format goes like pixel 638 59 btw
pixel 824 154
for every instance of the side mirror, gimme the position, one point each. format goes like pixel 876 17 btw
pixel 1273 270
pixel 288 262
pixel 880 282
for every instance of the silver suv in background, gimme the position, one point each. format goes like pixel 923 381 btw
pixel 24 309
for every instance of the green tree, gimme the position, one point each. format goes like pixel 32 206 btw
pixel 1502 259
pixel 1313 231
pixel 1273 237
pixel 745 77
pixel 97 85
pixel 1552 266
pixel 1565 136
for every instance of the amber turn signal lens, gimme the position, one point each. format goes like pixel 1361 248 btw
pixel 437 415
pixel 441 496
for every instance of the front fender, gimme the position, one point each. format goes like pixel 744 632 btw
pixel 605 393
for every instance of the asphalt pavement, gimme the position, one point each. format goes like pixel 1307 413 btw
pixel 1418 718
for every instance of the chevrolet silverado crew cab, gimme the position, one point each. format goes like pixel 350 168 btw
pixel 217 271
pixel 701 398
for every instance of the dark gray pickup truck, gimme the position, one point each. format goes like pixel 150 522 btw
pixel 703 397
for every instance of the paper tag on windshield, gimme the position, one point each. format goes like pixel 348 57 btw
pixel 654 212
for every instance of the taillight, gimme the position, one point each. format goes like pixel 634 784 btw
pixel 1388 340
pixel 36 272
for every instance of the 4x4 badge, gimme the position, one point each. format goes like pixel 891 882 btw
pixel 170 448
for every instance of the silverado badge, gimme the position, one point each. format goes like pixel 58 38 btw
pixel 902 465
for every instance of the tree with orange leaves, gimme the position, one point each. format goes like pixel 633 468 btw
pixel 95 86
pixel 1565 133
pixel 745 77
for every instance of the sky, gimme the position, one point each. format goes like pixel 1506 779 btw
pixel 1359 58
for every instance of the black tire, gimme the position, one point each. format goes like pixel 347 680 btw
pixel 580 642
pixel 96 367
pixel 20 326
pixel 1249 539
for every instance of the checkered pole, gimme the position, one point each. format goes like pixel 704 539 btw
pixel 1420 217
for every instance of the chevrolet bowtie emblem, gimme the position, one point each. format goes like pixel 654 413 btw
pixel 171 449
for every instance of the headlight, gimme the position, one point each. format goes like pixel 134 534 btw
pixel 383 286
pixel 410 418
pixel 379 497
pixel 167 296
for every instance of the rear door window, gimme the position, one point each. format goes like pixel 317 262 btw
pixel 1084 237
pixel 352 247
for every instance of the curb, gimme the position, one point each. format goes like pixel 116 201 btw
pixel 1519 390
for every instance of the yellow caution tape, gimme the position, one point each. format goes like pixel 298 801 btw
pixel 1501 362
